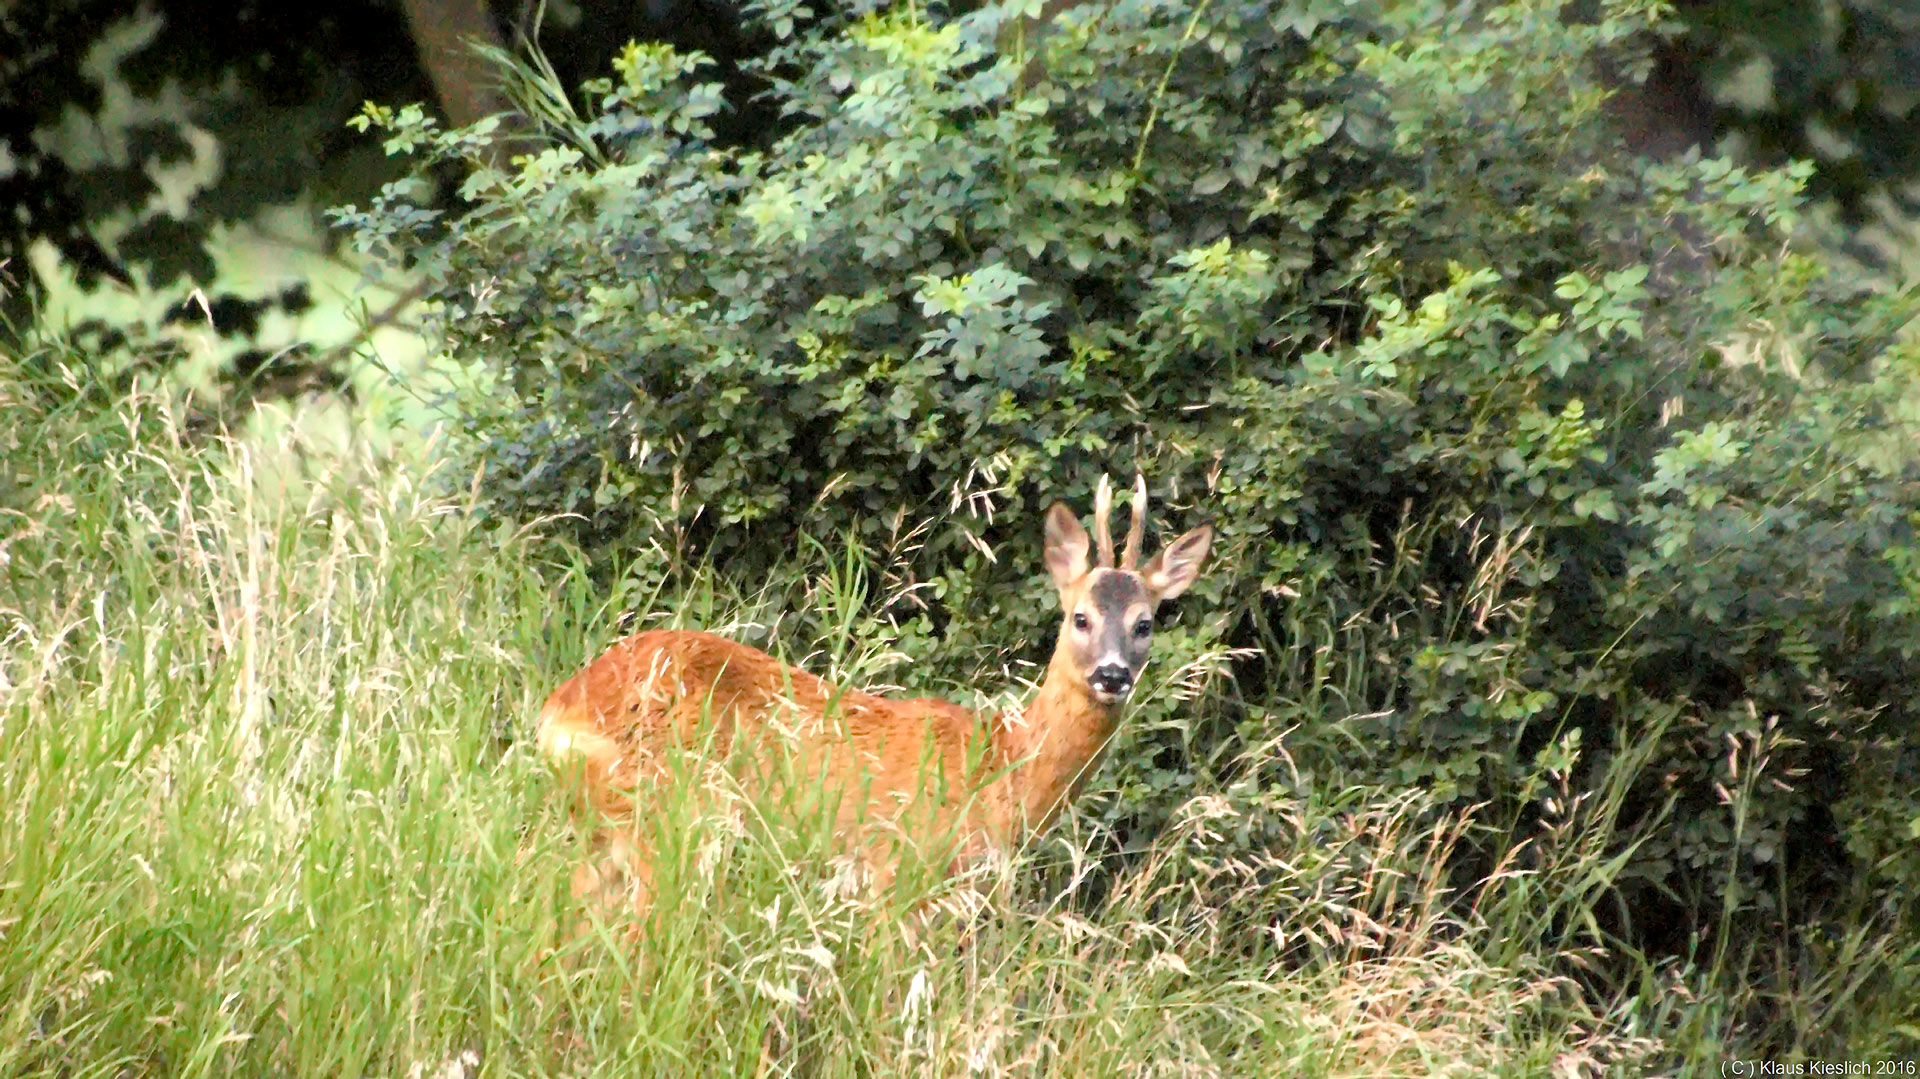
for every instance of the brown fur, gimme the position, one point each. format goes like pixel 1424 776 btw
pixel 986 782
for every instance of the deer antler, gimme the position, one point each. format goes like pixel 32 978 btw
pixel 1130 559
pixel 1102 507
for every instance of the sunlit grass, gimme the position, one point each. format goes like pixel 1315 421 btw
pixel 268 807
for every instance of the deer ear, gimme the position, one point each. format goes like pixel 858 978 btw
pixel 1178 565
pixel 1067 546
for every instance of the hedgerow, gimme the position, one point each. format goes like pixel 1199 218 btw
pixel 1551 480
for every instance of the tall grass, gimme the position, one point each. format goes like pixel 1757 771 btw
pixel 268 807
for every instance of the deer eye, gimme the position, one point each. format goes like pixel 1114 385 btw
pixel 1079 620
pixel 1142 628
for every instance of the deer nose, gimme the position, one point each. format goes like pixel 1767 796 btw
pixel 1112 678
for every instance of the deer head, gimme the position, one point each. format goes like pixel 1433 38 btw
pixel 1106 625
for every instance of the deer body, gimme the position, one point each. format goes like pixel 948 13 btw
pixel 891 767
pixel 669 691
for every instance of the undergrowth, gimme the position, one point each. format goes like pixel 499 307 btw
pixel 268 806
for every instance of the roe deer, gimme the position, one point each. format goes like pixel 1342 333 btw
pixel 983 782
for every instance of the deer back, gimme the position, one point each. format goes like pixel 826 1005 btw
pixel 664 692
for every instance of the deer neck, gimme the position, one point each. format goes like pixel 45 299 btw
pixel 1053 744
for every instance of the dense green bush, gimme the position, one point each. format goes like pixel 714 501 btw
pixel 1549 479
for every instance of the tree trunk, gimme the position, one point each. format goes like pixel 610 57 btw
pixel 442 30
pixel 1670 112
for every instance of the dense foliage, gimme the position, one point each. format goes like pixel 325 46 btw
pixel 136 136
pixel 1550 479
pixel 95 101
pixel 1835 83
pixel 255 820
